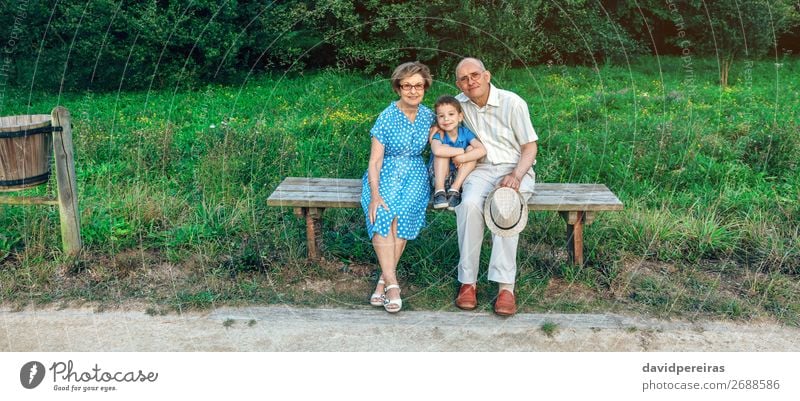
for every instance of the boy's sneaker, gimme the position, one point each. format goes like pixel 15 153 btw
pixel 440 200
pixel 453 199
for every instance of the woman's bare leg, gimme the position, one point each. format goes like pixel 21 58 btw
pixel 389 249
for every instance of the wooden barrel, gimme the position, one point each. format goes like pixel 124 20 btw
pixel 26 145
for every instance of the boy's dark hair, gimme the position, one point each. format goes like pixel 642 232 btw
pixel 442 100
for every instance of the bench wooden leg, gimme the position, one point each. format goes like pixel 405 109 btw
pixel 574 222
pixel 313 217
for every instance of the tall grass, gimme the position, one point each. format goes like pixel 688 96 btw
pixel 707 174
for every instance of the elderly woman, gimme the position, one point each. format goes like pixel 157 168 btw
pixel 395 189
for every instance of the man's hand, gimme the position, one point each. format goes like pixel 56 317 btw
pixel 511 181
pixel 526 160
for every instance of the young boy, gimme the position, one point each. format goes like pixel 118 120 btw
pixel 454 153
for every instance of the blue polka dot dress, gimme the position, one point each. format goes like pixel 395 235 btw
pixel 403 182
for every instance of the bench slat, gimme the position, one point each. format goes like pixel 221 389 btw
pixel 321 189
pixel 346 193
pixel 346 182
pixel 341 185
pixel 317 199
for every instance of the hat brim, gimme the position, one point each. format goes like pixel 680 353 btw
pixel 505 232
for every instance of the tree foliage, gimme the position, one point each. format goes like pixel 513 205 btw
pixel 739 28
pixel 106 44
pixel 726 30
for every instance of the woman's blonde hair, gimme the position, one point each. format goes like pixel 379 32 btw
pixel 406 70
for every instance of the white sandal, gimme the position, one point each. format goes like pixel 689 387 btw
pixel 392 302
pixel 377 299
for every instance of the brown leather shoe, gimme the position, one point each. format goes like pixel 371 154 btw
pixel 506 304
pixel 466 298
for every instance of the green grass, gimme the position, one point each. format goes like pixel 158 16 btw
pixel 173 189
pixel 549 329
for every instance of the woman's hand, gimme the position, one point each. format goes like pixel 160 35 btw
pixel 431 132
pixel 374 203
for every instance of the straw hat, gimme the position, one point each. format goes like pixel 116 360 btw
pixel 505 212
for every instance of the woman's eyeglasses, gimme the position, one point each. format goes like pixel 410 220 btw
pixel 408 87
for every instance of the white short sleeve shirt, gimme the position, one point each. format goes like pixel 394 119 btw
pixel 503 125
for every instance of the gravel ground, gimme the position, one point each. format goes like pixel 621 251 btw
pixel 280 328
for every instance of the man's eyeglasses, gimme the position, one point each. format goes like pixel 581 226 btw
pixel 408 87
pixel 474 76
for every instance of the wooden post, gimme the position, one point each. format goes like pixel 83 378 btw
pixel 574 222
pixel 577 239
pixel 313 217
pixel 66 182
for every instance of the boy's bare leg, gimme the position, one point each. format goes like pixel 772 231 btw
pixel 441 167
pixel 462 174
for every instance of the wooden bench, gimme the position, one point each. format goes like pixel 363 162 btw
pixel 577 204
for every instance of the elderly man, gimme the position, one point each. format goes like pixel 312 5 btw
pixel 502 122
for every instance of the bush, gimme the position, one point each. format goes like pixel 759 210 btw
pixel 106 44
pixel 109 44
pixel 502 33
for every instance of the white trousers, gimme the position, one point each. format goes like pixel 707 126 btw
pixel 469 218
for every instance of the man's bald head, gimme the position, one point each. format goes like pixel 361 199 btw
pixel 469 60
pixel 473 80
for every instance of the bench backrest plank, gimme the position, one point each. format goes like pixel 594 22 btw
pixel 346 193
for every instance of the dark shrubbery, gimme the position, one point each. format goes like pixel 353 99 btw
pixel 108 44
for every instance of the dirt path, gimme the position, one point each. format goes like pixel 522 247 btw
pixel 277 328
